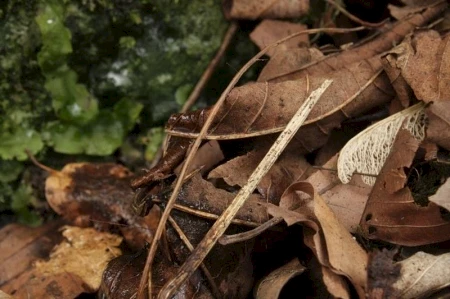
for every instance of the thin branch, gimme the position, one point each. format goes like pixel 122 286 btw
pixel 230 239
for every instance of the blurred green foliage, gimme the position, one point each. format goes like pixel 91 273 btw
pixel 83 76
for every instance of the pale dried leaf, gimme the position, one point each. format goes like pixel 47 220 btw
pixel 423 274
pixel 367 151
pixel 85 253
pixel 271 285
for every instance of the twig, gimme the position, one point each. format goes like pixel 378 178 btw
pixel 188 244
pixel 335 170
pixel 230 239
pixel 219 227
pixel 211 67
pixel 198 140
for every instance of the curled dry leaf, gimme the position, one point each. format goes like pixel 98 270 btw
pixel 270 31
pixel 422 274
pixel 84 253
pixel 391 214
pixel 332 244
pixel 271 285
pixel 267 9
pixel 97 194
pixel 347 201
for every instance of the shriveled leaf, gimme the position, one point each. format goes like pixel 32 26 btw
pixel 391 213
pixel 441 198
pixel 271 285
pixel 367 151
pixel 422 274
pixel 255 9
pixel 84 253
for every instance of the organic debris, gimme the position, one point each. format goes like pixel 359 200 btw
pixel 236 205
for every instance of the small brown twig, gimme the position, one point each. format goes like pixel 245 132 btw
pixel 193 149
pixel 230 239
pixel 355 18
pixel 335 170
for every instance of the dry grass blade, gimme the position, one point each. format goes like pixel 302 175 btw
pixel 367 151
pixel 219 227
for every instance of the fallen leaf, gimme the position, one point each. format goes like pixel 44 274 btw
pixel 332 244
pixel 270 31
pixel 438 129
pixel 85 253
pixel 422 274
pixel 97 194
pixel 271 285
pixel 391 214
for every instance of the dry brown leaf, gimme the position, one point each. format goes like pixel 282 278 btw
pixel 20 247
pixel 438 129
pixel 422 274
pixel 84 253
pixel 270 31
pixel 441 198
pixel 287 61
pixel 203 196
pixel 333 245
pixel 3 295
pixel 265 108
pixel 425 65
pixel 271 285
pixel 269 9
pixel 289 168
pixel 99 195
pixel 346 200
pixel 391 214
pixel 207 156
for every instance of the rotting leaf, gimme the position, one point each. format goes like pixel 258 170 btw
pixel 271 285
pixel 85 253
pixel 391 214
pixel 422 274
pixel 99 195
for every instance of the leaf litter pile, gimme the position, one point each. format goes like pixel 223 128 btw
pixel 327 177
